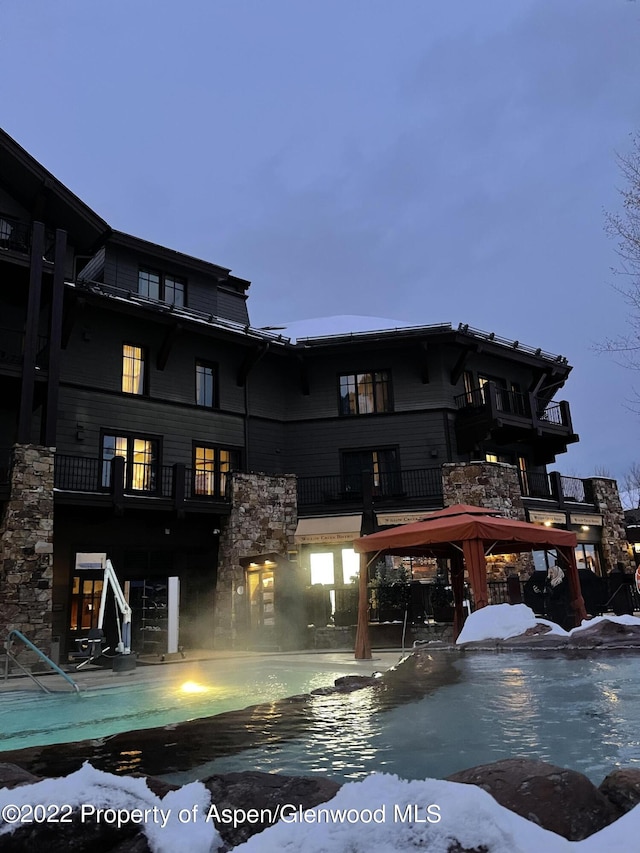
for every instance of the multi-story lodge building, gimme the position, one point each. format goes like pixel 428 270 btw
pixel 144 418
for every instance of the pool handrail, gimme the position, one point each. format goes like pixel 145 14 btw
pixel 15 634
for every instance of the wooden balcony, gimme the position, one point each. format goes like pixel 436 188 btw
pixel 510 417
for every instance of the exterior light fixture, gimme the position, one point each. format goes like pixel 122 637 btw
pixel 547 524
pixel 584 527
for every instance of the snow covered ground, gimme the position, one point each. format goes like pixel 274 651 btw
pixel 503 621
pixel 381 813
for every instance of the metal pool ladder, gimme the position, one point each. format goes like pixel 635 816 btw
pixel 9 657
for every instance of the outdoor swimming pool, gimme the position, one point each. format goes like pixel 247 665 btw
pixel 582 714
pixel 165 695
pixel 470 709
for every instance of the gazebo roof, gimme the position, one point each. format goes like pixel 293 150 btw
pixel 462 522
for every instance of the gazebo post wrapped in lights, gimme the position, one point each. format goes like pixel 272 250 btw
pixel 468 532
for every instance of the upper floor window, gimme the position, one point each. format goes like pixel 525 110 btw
pixel 163 288
pixel 211 466
pixel 140 456
pixel 365 393
pixel 133 369
pixel 206 384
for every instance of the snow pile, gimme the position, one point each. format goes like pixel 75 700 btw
pixel 381 813
pixel 391 815
pixel 619 620
pixel 502 621
pixel 166 823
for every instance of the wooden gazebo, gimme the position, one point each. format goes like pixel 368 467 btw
pixel 466 535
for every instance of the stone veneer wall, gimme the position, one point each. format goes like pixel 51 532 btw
pixel 26 547
pixel 263 520
pixel 496 486
pixel 615 547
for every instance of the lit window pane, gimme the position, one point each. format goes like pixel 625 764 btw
pixel 132 370
pixel 322 568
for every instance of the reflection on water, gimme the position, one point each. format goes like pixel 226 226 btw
pixel 583 714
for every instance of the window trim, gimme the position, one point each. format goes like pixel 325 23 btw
pixel 220 485
pixel 213 366
pixel 162 286
pixel 130 437
pixel 386 384
pixel 144 359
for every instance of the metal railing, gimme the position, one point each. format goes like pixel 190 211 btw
pixel 573 489
pixel 10 658
pixel 535 484
pixel 512 402
pixel 413 483
pixel 146 479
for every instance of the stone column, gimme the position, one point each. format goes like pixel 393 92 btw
pixel 615 547
pixel 263 520
pixel 26 547
pixel 496 486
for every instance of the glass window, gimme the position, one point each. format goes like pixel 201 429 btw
pixel 350 566
pixel 141 461
pixel 149 284
pixel 587 558
pixel 162 288
pixel 365 393
pixel 382 464
pixel 211 468
pixel 133 372
pixel 205 384
pixel 322 568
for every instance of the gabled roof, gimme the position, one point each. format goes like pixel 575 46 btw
pixel 34 186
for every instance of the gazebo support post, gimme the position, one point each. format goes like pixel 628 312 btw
pixel 457 585
pixel 576 600
pixel 363 643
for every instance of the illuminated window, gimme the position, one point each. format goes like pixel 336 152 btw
pixel 140 461
pixel 365 393
pixel 133 370
pixel 322 568
pixel 211 468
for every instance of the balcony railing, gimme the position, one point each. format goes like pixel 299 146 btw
pixel 419 483
pixel 99 476
pixel 502 401
pixel 554 486
pixel 15 236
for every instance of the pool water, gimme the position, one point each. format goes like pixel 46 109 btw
pixel 582 714
pixel 184 692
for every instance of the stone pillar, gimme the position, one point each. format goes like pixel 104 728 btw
pixel 615 547
pixel 496 486
pixel 26 547
pixel 263 520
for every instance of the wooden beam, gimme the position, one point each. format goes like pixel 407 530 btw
pixel 31 334
pixel 250 361
pixel 461 362
pixel 172 333
pixel 55 340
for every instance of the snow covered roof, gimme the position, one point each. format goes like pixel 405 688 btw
pixel 345 325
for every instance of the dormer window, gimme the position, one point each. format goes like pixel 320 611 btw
pixel 163 288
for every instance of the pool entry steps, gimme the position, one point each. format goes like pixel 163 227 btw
pixel 10 658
